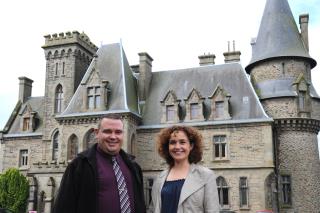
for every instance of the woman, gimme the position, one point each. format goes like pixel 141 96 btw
pixel 184 186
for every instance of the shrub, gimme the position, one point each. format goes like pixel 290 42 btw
pixel 14 191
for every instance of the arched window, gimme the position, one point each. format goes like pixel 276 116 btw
pixel 271 192
pixel 90 139
pixel 58 99
pixel 223 192
pixel 73 147
pixel 55 146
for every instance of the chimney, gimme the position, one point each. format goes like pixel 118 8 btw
pixel 206 59
pixel 233 56
pixel 135 68
pixel 145 69
pixel 25 88
pixel 303 21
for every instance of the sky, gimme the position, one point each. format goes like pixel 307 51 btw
pixel 173 32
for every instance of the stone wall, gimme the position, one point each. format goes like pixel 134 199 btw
pixel 11 149
pixel 299 158
pixel 280 68
pixel 281 108
pixel 249 155
pixel 248 146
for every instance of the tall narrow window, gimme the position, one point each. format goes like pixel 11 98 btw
pixel 94 97
pixel 23 161
pixel 58 99
pixel 56 71
pixel 302 100
pixel 244 192
pixel 26 124
pixel 223 192
pixel 286 189
pixel 170 112
pixel 41 204
pixel 90 139
pixel 194 111
pixel 219 109
pixel 149 191
pixel 73 147
pixel 55 146
pixel 63 65
pixel 220 146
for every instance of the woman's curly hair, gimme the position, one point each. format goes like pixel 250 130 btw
pixel 194 137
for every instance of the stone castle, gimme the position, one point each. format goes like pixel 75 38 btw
pixel 260 133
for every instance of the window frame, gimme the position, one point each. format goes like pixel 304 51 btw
pixel 194 111
pixel 93 97
pixel 302 97
pixel 55 146
pixel 222 187
pixel 222 147
pixel 219 109
pixel 286 195
pixel 58 99
pixel 73 147
pixel 170 110
pixel 243 190
pixel 26 124
pixel 90 139
pixel 23 157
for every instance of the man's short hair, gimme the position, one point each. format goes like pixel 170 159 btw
pixel 110 116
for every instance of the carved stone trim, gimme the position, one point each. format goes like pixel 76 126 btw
pixel 297 124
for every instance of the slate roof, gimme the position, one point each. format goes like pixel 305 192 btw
pixel 37 105
pixel 278 35
pixel 112 65
pixel 280 88
pixel 205 79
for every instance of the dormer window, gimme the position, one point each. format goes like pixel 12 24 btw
pixel 302 100
pixel 194 106
pixel 94 97
pixel 303 97
pixel 170 112
pixel 220 108
pixel 194 111
pixel 170 108
pixel 26 124
pixel 29 120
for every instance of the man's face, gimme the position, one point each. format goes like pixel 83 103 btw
pixel 110 135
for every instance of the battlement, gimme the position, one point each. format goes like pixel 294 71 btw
pixel 69 38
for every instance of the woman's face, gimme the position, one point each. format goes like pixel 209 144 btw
pixel 179 146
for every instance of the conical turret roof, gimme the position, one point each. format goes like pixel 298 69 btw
pixel 278 35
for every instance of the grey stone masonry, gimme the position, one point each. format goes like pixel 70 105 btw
pixel 25 88
pixel 69 38
pixel 206 59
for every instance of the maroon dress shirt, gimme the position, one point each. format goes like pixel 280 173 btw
pixel 108 196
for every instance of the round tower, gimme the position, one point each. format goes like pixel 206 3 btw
pixel 280 71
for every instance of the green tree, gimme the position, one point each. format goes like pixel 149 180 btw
pixel 14 191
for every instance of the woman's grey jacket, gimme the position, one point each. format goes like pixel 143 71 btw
pixel 198 194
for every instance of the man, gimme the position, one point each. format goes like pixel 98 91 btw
pixel 92 182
